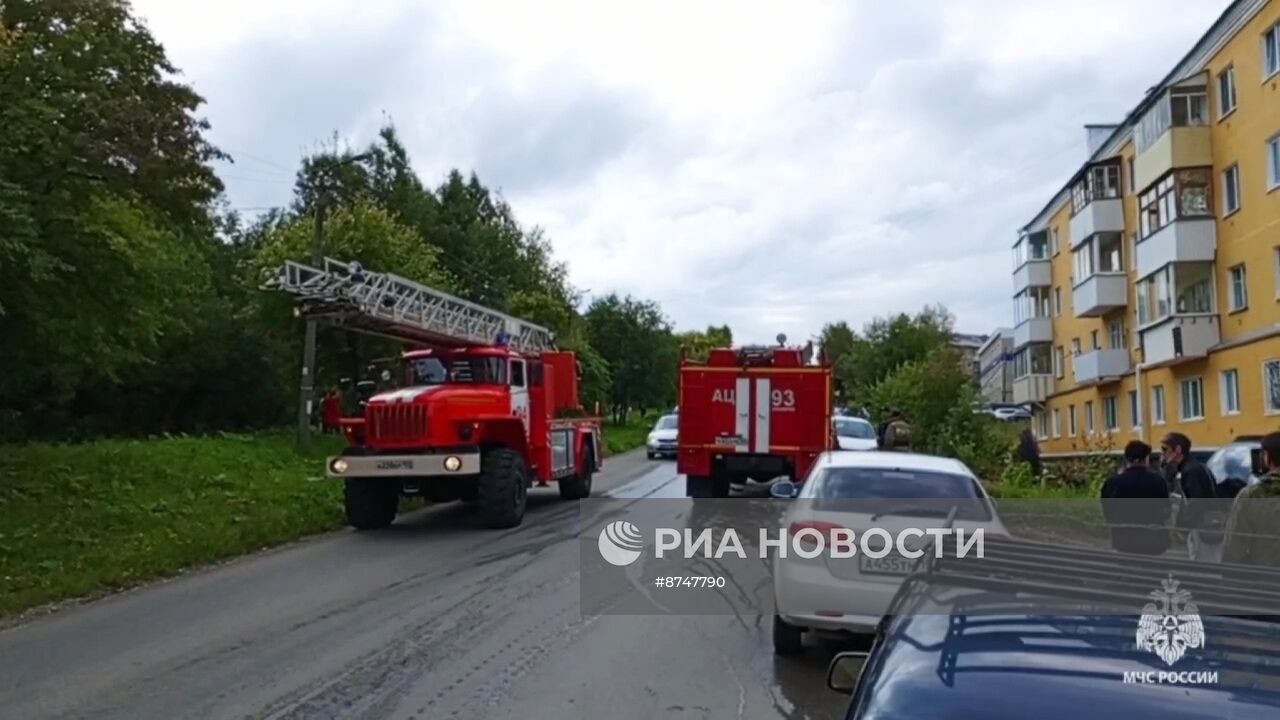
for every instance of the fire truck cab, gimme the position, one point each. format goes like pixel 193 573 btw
pixel 752 413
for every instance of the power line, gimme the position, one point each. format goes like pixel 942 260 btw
pixel 262 160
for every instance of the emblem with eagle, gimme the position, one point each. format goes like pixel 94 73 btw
pixel 1171 624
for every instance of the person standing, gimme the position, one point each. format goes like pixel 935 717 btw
pixel 897 433
pixel 1188 478
pixel 1253 529
pixel 1029 450
pixel 1135 503
pixel 332 411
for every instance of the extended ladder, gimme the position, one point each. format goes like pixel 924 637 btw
pixel 347 295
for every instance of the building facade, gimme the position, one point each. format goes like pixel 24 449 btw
pixel 967 346
pixel 1147 290
pixel 995 367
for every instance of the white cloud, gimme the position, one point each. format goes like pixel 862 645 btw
pixel 772 166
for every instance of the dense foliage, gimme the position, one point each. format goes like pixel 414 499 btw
pixel 130 303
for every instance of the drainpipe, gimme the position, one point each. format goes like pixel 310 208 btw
pixel 1142 400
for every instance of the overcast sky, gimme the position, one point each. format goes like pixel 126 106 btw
pixel 770 165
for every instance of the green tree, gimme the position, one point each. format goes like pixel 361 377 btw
pixel 635 339
pixel 887 344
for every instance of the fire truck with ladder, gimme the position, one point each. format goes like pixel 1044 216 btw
pixel 486 406
pixel 751 414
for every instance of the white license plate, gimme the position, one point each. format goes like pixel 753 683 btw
pixel 887 565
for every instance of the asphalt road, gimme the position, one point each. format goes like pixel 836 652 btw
pixel 434 618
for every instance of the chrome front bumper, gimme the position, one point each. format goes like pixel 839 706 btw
pixel 443 464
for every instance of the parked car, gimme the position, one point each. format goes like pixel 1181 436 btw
pixel 860 490
pixel 854 433
pixel 1236 465
pixel 663 437
pixel 969 646
pixel 1011 413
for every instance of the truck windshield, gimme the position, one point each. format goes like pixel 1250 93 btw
pixel 477 370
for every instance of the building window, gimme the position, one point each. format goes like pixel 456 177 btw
pixel 1071 420
pixel 1129 170
pixel 1093 340
pixel 1157 405
pixel 1230 392
pixel 1135 412
pixel 1032 360
pixel 1110 252
pixel 1031 303
pixel 1053 241
pixel 1180 107
pixel 1083 257
pixel 1110 413
pixel 1239 287
pixel 1115 333
pixel 1057 301
pixel 1179 194
pixel 1043 421
pixel 1075 347
pixel 1271 385
pixel 1191 399
pixel 1230 190
pixel 1273 163
pixel 1100 182
pixel 1176 288
pixel 1271 51
pixel 1059 362
pixel 1057 424
pixel 1226 91
pixel 1088 417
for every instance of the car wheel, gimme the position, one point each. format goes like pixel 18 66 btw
pixel 787 638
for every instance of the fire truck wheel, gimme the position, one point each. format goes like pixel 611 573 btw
pixel 697 486
pixel 576 487
pixel 502 487
pixel 370 503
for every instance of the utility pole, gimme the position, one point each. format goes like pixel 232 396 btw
pixel 306 386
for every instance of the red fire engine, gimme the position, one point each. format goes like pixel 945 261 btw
pixel 486 405
pixel 751 413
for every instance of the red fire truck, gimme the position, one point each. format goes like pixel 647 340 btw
pixel 751 413
pixel 486 406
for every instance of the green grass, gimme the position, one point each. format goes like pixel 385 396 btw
pixel 80 519
pixel 621 438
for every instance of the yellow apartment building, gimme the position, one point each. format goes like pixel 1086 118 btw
pixel 1147 290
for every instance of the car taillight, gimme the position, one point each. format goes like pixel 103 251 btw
pixel 824 528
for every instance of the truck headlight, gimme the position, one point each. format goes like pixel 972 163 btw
pixel 453 463
pixel 338 466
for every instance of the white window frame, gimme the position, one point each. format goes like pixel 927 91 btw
pixel 1042 425
pixel 1059 362
pixel 1268 406
pixel 1230 188
pixel 1111 413
pixel 1276 250
pixel 1056 423
pixel 1159 411
pixel 1129 169
pixel 1273 162
pixel 1198 384
pixel 1057 301
pixel 1229 391
pixel 1225 108
pixel 1135 410
pixel 1090 423
pixel 1243 285
pixel 1054 246
pixel 1071 421
pixel 1271 51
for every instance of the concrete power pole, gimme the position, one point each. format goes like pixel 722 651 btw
pixel 306 388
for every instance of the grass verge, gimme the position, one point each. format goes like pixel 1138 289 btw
pixel 80 519
pixel 619 438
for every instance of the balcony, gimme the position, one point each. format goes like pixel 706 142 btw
pixel 1178 147
pixel 1100 215
pixel 1178 338
pixel 1185 240
pixel 1034 330
pixel 1100 293
pixel 1031 388
pixel 1032 273
pixel 1100 365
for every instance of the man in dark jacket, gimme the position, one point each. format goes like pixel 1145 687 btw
pixel 1198 516
pixel 1136 504
pixel 1029 450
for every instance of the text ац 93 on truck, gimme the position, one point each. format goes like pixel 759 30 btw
pixel 484 407
pixel 751 415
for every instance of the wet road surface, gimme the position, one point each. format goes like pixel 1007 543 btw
pixel 433 618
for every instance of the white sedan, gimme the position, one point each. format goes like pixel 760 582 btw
pixel 854 433
pixel 663 438
pixel 858 491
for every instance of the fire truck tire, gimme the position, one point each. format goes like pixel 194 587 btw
pixel 503 488
pixel 697 486
pixel 576 487
pixel 370 503
pixel 787 638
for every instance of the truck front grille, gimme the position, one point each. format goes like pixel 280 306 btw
pixel 391 424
